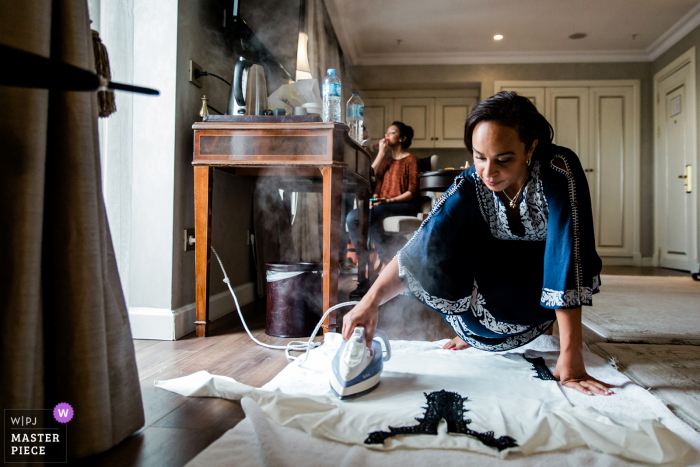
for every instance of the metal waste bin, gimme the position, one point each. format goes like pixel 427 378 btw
pixel 294 298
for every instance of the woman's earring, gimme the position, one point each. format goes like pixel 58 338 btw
pixel 528 162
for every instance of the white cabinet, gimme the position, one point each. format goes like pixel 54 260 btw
pixel 450 116
pixel 378 115
pixel 418 113
pixel 437 117
pixel 600 123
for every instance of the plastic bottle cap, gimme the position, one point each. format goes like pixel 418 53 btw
pixel 356 93
pixel 331 72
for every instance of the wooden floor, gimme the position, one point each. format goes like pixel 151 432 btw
pixel 178 428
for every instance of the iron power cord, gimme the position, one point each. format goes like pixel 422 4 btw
pixel 298 346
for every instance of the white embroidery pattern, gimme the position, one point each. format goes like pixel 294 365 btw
pixel 442 305
pixel 511 342
pixel 534 211
pixel 475 302
pixel 570 297
pixel 455 323
pixel 487 319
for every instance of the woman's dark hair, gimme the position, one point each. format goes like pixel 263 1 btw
pixel 510 109
pixel 405 131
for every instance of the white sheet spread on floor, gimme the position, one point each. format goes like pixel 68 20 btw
pixel 503 396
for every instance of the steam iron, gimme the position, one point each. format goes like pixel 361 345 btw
pixel 356 368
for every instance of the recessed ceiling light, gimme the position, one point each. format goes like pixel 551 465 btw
pixel 578 35
pixel 497 37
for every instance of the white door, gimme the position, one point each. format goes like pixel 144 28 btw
pixel 674 144
pixel 418 113
pixel 567 111
pixel 450 116
pixel 612 153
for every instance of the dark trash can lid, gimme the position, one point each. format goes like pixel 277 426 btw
pixel 293 267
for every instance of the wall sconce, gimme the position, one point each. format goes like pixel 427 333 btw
pixel 303 68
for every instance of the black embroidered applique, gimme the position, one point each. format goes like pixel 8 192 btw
pixel 539 366
pixel 443 405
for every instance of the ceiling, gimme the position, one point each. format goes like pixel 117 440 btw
pixel 535 31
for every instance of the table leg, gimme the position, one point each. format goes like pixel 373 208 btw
pixel 332 198
pixel 203 184
pixel 363 271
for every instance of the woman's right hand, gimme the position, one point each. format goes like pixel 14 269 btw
pixel 366 314
pixel 383 146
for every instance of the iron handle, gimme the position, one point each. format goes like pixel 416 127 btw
pixel 588 170
pixel 682 176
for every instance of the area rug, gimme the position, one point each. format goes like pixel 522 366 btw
pixel 646 309
pixel 262 440
pixel 672 372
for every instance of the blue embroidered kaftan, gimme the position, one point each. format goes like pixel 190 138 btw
pixel 496 284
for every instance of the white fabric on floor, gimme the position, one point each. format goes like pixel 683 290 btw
pixel 512 402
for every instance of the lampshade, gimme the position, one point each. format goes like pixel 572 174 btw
pixel 302 55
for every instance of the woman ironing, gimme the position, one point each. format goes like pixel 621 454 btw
pixel 508 249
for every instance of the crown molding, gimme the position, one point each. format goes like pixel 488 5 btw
pixel 675 33
pixel 471 58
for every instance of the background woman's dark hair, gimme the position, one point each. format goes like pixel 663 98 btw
pixel 405 131
pixel 510 109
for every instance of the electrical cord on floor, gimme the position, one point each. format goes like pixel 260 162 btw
pixel 298 346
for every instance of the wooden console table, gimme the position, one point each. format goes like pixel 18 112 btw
pixel 320 154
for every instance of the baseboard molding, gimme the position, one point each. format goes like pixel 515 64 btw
pixel 650 262
pixel 637 259
pixel 618 261
pixel 168 325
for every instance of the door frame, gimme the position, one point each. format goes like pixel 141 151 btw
pixel 635 84
pixel 687 58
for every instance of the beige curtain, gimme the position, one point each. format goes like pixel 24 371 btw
pixel 64 330
pixel 324 49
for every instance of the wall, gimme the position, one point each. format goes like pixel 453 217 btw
pixel 111 20
pixel 456 76
pixel 150 263
pixel 200 38
pixel 692 39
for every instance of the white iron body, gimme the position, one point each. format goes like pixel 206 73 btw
pixel 356 369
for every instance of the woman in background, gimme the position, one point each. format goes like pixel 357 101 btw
pixel 394 195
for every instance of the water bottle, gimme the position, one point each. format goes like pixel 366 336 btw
pixel 331 98
pixel 355 116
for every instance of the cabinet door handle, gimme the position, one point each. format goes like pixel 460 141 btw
pixel 688 176
pixel 588 170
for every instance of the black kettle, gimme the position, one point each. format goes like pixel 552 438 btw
pixel 248 95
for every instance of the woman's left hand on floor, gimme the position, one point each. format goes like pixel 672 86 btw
pixel 571 372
